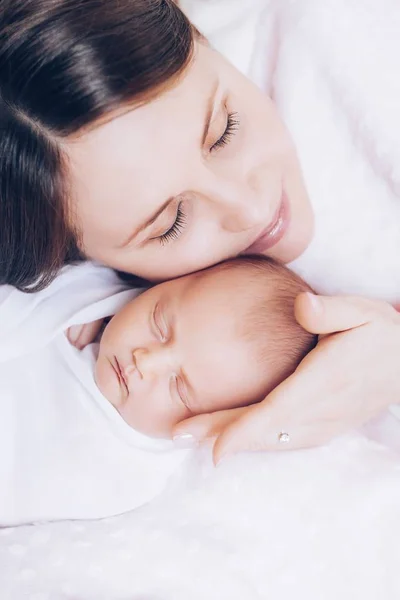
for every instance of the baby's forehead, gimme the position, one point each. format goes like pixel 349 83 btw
pixel 222 307
pixel 230 290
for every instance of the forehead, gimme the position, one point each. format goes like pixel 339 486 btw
pixel 115 163
pixel 219 362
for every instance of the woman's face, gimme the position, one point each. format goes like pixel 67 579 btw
pixel 203 173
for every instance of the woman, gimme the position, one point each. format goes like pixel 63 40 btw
pixel 127 139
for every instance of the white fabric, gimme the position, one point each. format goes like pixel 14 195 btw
pixel 65 451
pixel 313 525
pixel 322 524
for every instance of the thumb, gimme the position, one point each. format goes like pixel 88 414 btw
pixel 330 314
pixel 259 428
pixel 73 333
pixel 251 432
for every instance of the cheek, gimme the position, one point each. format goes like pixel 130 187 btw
pixel 129 329
pixel 203 245
pixel 152 412
pixel 266 130
pixel 233 387
pixel 106 381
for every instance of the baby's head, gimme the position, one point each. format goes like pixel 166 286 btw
pixel 216 339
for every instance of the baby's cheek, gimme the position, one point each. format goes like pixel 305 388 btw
pixel 248 386
pixel 151 411
pixel 106 381
pixel 231 396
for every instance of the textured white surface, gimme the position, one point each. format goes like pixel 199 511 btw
pixel 322 524
pixel 315 525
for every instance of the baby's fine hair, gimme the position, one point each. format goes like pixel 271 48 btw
pixel 267 291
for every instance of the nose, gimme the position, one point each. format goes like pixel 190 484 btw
pixel 151 363
pixel 241 206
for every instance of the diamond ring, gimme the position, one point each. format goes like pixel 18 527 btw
pixel 283 437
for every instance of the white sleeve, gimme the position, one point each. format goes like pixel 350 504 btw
pixel 80 294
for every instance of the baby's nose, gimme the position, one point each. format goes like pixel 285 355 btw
pixel 149 363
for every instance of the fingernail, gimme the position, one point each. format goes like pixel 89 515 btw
pixel 184 440
pixel 315 302
pixel 73 333
pixel 73 336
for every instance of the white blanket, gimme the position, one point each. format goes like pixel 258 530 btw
pixel 321 524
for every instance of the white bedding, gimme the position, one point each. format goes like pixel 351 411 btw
pixel 316 525
pixel 321 525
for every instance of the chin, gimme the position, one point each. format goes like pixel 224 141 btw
pixel 289 253
pixel 296 242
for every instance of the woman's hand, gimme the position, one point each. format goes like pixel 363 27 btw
pixel 82 335
pixel 350 377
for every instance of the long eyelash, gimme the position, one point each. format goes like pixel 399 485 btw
pixel 232 125
pixel 174 232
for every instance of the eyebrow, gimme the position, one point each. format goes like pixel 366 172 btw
pixel 160 210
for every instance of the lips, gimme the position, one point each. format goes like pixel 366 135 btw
pixel 275 231
pixel 118 371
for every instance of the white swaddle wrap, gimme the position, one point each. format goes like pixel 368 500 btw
pixel 65 451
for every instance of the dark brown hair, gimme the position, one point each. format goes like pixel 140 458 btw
pixel 64 66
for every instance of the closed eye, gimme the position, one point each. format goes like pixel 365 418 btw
pixel 232 125
pixel 179 388
pixel 159 325
pixel 176 228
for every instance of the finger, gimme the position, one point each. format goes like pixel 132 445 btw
pixel 329 314
pixel 89 333
pixel 82 335
pixel 205 426
pixel 73 333
pixel 308 438
pixel 260 426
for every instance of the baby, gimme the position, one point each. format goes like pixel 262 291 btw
pixel 79 429
pixel 219 338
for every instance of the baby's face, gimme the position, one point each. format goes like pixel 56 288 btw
pixel 174 352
